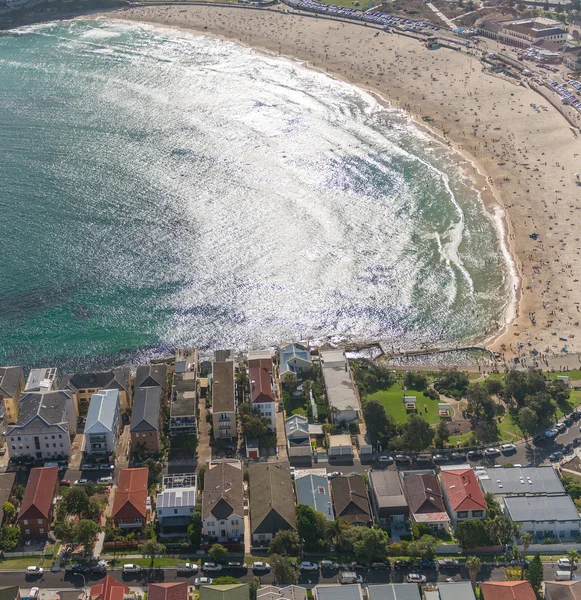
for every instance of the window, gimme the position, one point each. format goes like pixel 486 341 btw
pixel 54 445
pixel 175 511
pixel 39 521
pixel 27 531
pixel 462 514
pixel 26 521
pixel 14 447
pixel 60 436
pixel 120 521
pixel 41 531
pixel 477 513
pixel 136 435
pixel 52 437
pixel 19 439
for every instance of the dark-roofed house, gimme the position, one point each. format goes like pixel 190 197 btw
pixel 184 396
pixel 387 497
pixel 167 591
pixel 11 385
pixel 425 500
pixel 350 499
pixel 6 487
pixel 563 590
pixel 272 505
pixel 84 385
pixel 36 510
pixel 151 376
pixel 45 425
pixel 223 501
pixel 131 507
pixel 9 592
pixel 145 420
pixel 108 589
pixel 223 400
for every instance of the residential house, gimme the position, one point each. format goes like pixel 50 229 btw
pixel 350 499
pixel 42 380
pixel 387 498
pixel 294 360
pixel 223 501
pixel 426 501
pixel 103 423
pixel 145 428
pixel 184 396
pixel 233 591
pixel 544 516
pixel 339 387
pixel 455 590
pixel 151 376
pixel 507 590
pixel 338 592
pixel 273 592
pixel 84 385
pixel 168 591
pixel 131 506
pixel 46 422
pixel 9 592
pixel 462 494
pixel 109 589
pixel 394 591
pixel 36 510
pixel 223 400
pixel 563 590
pixel 298 439
pixel 6 488
pixel 340 446
pixel 313 490
pixel 272 505
pixel 11 386
pixel 519 481
pixel 262 390
pixel 175 503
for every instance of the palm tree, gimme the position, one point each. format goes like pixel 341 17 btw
pixel 334 412
pixel 474 565
pixel 335 531
pixel 526 540
pixel 574 557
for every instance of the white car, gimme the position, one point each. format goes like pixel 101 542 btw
pixel 308 566
pixel 333 474
pixel 260 566
pixel 33 592
pixel 211 566
pixel 106 480
pixel 203 581
pixel 564 563
pixel 81 482
pixel 508 448
pixel 416 578
pixel 34 570
pixel 131 568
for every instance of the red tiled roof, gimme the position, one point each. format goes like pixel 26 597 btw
pixel 108 589
pixel 39 493
pixel 463 490
pixel 507 590
pixel 168 591
pixel 260 382
pixel 131 495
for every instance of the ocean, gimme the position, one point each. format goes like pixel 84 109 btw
pixel 161 189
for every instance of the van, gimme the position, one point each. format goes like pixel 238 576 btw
pixel 562 575
pixel 351 577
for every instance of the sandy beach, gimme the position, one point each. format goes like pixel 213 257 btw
pixel 522 160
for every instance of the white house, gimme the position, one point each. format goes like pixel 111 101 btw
pixel 297 436
pixel 340 445
pixel 103 422
pixel 339 387
pixel 175 504
pixel 294 359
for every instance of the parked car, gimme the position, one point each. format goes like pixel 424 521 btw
pixel 551 433
pixel 65 482
pixel 386 459
pixel 576 415
pixel 380 565
pixel 187 568
pixel 508 448
pixel 438 458
pixel 106 480
pixel 333 474
pixel 308 566
pixel 203 581
pixel 539 438
pixel 81 481
pixel 567 448
pixel 260 566
pixel 474 455
pixel 34 592
pixel 402 458
pixel 237 566
pixel 89 468
pixel 491 452
pixel 401 564
pixel 576 442
pixel 77 568
pixel 106 467
pixel 556 456
pixel 560 427
pixel 350 577
pixel 564 563
pixel 423 459
pixel 458 456
pixel 32 570
pixel 211 566
pixel 448 563
pixel 568 421
pixel 131 568
pixel 416 578
pixel 426 564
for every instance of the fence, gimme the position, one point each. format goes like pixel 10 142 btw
pixel 27 554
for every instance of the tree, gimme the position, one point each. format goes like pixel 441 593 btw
pixel 535 574
pixel 150 549
pixel 195 527
pixel 285 542
pixel 502 530
pixel 452 383
pixel 19 490
pixel 527 421
pixel 415 381
pixel 225 580
pixel 335 531
pixel 417 434
pixel 473 565
pixel 282 570
pixel 492 507
pixel 75 500
pixel 253 425
pixel 526 540
pixel 494 387
pixel 372 546
pixel 154 468
pixel 289 381
pixel 472 533
pixel 201 474
pixel 574 557
pixel 425 547
pixel 442 434
pixel 519 384
pixel 85 533
pixel 9 510
pixel 218 553
pixel 381 427
pixel 9 536
pixel 253 588
pixel 311 527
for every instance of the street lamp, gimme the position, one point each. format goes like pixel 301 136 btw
pixel 84 585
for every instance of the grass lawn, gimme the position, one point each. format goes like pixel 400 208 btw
pixel 160 562
pixel 392 400
pixel 21 563
pixel 572 375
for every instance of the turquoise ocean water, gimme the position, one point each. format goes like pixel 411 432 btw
pixel 163 189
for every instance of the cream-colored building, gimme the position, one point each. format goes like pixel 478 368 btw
pixel 11 386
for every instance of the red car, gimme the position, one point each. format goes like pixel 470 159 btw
pixel 65 482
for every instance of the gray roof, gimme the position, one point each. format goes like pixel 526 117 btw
pixel 394 591
pixel 223 397
pixel 118 380
pixel 151 376
pixel 563 590
pixel 339 592
pixel 313 490
pixel 541 508
pixel 387 488
pixel 145 412
pixel 516 480
pixel 38 376
pixel 297 425
pixel 223 490
pixel 339 386
pixel 51 407
pixel 290 351
pixel 459 590
pixel 176 498
pixel 10 380
pixel 102 409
